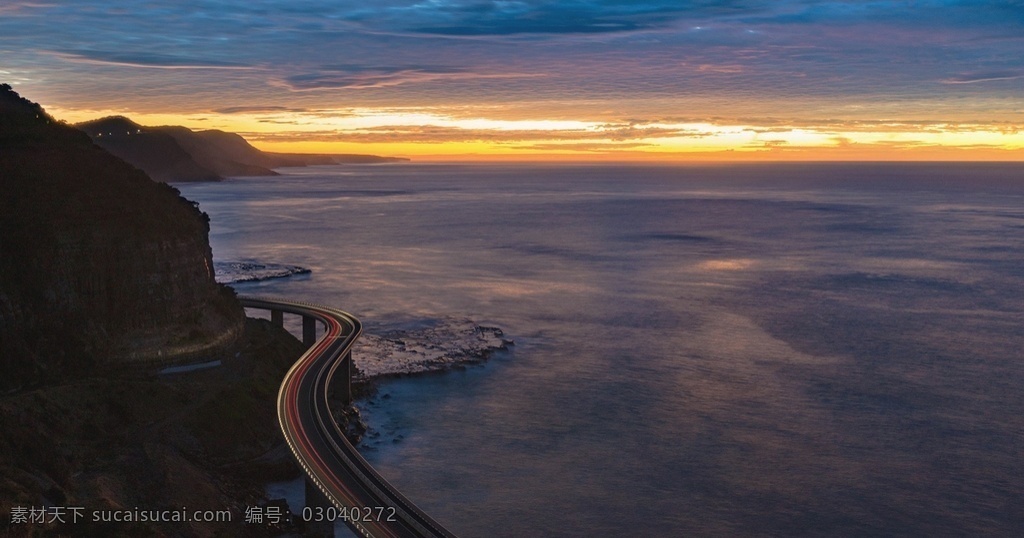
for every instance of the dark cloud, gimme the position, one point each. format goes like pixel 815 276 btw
pixel 906 14
pixel 364 77
pixel 475 18
pixel 540 17
pixel 143 60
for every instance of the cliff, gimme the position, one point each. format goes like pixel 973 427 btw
pixel 99 265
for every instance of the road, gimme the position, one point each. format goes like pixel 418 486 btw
pixel 329 460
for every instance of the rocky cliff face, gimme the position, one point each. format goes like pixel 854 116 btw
pixel 99 265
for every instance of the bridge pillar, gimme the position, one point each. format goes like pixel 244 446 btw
pixel 341 383
pixel 308 331
pixel 277 318
pixel 318 503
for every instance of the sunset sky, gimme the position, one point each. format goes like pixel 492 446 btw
pixel 531 79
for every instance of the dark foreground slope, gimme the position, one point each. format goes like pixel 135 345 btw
pixel 99 265
pixel 203 440
pixel 104 276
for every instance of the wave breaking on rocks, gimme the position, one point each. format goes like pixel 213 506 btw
pixel 232 272
pixel 449 343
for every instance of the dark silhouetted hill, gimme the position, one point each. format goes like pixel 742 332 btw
pixel 99 265
pixel 175 153
pixel 157 153
pixel 227 154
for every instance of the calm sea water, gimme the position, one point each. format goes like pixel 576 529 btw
pixel 726 351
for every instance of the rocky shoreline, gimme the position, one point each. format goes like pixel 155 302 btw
pixel 447 343
pixel 233 272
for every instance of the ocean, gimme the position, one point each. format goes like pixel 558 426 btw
pixel 700 350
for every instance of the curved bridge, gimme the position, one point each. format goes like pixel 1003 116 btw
pixel 331 463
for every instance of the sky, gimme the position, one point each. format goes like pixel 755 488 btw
pixel 541 79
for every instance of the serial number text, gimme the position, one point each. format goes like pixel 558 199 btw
pixel 355 514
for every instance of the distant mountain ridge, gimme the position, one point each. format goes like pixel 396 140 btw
pixel 179 154
pixel 153 151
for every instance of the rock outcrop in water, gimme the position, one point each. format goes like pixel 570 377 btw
pixel 442 345
pixel 99 265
